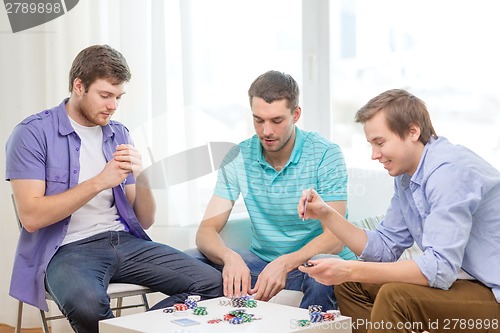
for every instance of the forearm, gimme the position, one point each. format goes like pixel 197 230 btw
pixel 405 271
pixel 144 206
pixel 326 243
pixel 37 210
pixel 212 246
pixel 355 238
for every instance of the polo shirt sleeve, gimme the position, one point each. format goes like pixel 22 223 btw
pixel 332 175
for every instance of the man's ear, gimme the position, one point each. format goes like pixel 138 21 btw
pixel 78 87
pixel 414 132
pixel 296 114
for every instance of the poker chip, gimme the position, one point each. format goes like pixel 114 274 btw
pixel 181 313
pixel 225 302
pixel 251 303
pixel 180 307
pixel 214 321
pixel 303 323
pixel 316 317
pixel 315 308
pixel 328 316
pixel 190 303
pixel 237 312
pixel 335 313
pixel 247 317
pixel 238 302
pixel 236 320
pixel 200 311
pixel 228 317
pixel 169 310
pixel 195 298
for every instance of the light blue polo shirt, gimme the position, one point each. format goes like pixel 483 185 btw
pixel 271 196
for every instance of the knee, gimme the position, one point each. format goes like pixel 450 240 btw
pixel 86 310
pixel 212 285
pixel 394 296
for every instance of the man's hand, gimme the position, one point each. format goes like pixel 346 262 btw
pixel 236 276
pixel 112 175
pixel 328 271
pixel 129 158
pixel 271 280
pixel 316 207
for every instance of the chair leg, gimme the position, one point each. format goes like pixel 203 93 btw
pixel 145 301
pixel 19 317
pixel 45 327
pixel 119 304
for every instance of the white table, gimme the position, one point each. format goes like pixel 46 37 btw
pixel 276 318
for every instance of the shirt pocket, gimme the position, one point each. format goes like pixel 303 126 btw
pixel 56 175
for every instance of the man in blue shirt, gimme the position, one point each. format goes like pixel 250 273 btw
pixel 270 170
pixel 73 174
pixel 447 201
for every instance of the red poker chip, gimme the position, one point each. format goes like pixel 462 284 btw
pixel 180 307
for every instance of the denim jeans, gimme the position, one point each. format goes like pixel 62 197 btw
pixel 315 293
pixel 79 273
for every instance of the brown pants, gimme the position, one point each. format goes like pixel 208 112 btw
pixel 468 306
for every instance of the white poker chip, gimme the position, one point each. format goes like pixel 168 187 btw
pixel 181 313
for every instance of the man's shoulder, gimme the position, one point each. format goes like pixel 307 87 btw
pixel 38 118
pixel 316 140
pixel 116 124
pixel 247 146
pixel 45 116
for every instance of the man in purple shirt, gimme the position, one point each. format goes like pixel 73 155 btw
pixel 73 174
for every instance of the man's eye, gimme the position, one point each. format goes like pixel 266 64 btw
pixel 277 121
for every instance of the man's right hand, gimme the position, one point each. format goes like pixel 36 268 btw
pixel 113 174
pixel 236 276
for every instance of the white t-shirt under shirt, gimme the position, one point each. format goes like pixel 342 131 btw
pixel 99 214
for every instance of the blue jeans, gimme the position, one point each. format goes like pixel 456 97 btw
pixel 315 293
pixel 79 273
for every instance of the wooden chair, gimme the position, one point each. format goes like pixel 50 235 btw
pixel 116 291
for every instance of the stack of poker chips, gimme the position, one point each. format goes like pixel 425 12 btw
pixel 331 315
pixel 303 323
pixel 200 311
pixel 239 302
pixel 238 316
pixel 192 301
pixel 180 309
pixel 315 314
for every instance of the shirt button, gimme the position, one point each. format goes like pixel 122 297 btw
pixel 77 149
pixel 74 171
pixel 46 112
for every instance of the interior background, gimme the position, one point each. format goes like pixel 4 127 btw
pixel 192 62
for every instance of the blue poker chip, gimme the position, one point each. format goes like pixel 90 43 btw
pixel 236 320
pixel 316 317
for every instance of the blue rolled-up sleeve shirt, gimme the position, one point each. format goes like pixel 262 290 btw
pixel 449 207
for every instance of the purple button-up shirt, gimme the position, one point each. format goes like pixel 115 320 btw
pixel 45 146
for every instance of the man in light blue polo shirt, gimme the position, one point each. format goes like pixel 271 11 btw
pixel 270 170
